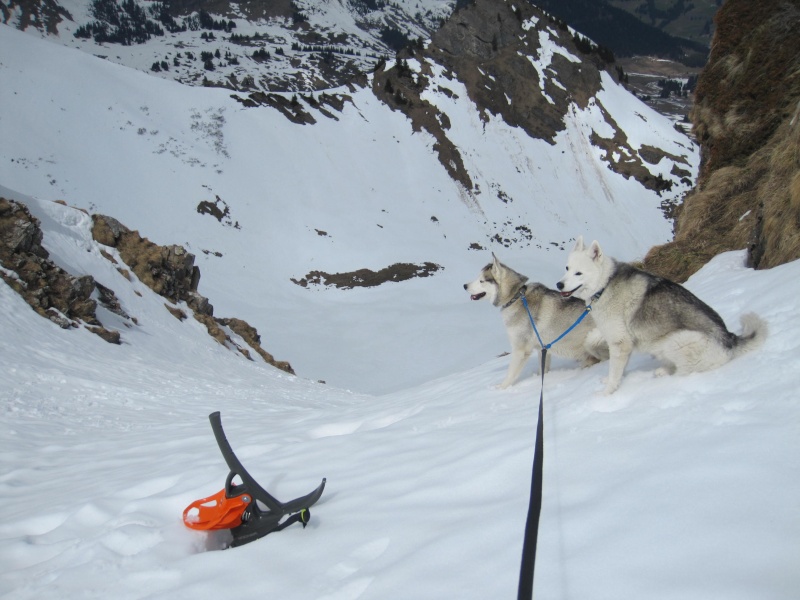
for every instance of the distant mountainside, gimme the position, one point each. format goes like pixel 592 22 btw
pixel 279 45
pixel 630 32
pixel 498 132
pixel 687 19
pixel 258 49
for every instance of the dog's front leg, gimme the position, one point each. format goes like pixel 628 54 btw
pixel 620 352
pixel 518 359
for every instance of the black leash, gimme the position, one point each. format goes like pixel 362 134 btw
pixel 525 590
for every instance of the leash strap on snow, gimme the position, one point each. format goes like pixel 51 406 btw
pixel 525 589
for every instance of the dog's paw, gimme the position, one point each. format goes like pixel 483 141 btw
pixel 610 387
pixel 665 370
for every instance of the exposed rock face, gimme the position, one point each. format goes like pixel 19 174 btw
pixel 489 43
pixel 250 335
pixel 167 270
pixel 19 230
pixel 170 272
pixel 42 14
pixel 747 119
pixel 495 48
pixel 49 290
pixel 367 277
pixel 69 301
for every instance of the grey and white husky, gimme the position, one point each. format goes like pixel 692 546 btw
pixel 504 288
pixel 634 309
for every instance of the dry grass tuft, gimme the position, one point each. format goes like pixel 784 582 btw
pixel 747 120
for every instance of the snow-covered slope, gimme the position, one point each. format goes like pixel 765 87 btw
pixel 674 488
pixel 307 44
pixel 357 189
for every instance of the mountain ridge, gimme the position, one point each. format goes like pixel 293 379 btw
pixel 300 46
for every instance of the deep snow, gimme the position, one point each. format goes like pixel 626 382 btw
pixel 673 488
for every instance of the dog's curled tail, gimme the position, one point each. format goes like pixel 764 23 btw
pixel 754 332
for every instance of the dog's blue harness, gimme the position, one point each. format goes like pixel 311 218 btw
pixel 582 316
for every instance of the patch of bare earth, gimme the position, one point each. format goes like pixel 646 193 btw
pixel 368 278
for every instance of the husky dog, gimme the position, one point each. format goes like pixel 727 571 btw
pixel 636 310
pixel 504 287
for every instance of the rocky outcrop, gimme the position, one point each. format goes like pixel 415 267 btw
pixel 488 45
pixel 44 15
pixel 496 49
pixel 367 277
pixel 170 272
pixel 167 270
pixel 250 335
pixel 52 292
pixel 71 301
pixel 746 118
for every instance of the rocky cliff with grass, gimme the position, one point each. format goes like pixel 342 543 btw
pixel 747 119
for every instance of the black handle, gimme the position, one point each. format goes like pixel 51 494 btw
pixel 237 468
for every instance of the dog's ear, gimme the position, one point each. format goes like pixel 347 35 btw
pixel 579 244
pixel 496 264
pixel 595 251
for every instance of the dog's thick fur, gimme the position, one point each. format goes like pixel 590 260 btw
pixel 504 287
pixel 638 310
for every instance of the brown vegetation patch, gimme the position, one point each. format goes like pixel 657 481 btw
pixel 368 278
pixel 747 120
pixel 294 110
pixel 622 159
pixel 218 209
pixel 290 108
pixel 176 312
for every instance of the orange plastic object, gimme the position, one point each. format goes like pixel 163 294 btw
pixel 216 512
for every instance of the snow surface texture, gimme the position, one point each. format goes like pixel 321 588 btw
pixel 359 191
pixel 680 488
pixel 673 488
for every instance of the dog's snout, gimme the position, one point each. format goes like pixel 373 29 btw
pixel 465 285
pixel 560 285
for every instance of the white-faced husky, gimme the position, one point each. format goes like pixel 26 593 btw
pixel 634 309
pixel 504 287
